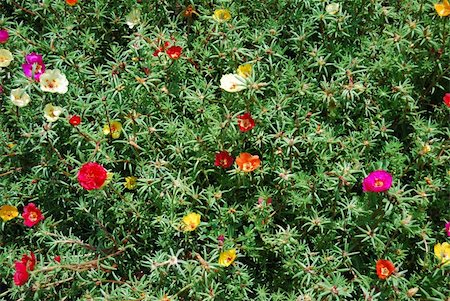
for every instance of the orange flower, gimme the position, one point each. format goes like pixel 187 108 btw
pixel 247 162
pixel 442 9
pixel 384 268
pixel 71 2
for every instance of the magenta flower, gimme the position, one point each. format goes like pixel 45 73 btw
pixel 4 36
pixel 377 181
pixel 447 228
pixel 34 65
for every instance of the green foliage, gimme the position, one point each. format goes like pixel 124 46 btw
pixel 334 97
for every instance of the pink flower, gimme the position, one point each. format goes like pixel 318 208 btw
pixel 447 228
pixel 4 36
pixel 34 65
pixel 31 215
pixel 377 181
pixel 92 176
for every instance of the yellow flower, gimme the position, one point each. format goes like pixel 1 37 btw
pixel 130 183
pixel 114 127
pixel 442 9
pixel 191 221
pixel 442 252
pixel 244 70
pixel 222 15
pixel 6 57
pixel 8 212
pixel 227 257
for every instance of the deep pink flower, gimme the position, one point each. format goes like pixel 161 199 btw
pixel 29 261
pixel 447 228
pixel 1 90
pixel 377 181
pixel 34 61
pixel 31 215
pixel 92 176
pixel 4 36
pixel 57 259
pixel 245 122
pixel 21 274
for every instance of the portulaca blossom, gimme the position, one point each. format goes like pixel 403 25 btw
pixel 6 57
pixel 232 83
pixel 20 98
pixel 54 81
pixel 51 113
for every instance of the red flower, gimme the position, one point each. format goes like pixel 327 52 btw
pixel 224 159
pixel 71 2
pixel 384 268
pixel 161 49
pixel 174 52
pixel 447 99
pixel 57 259
pixel 75 120
pixel 246 122
pixel 31 215
pixel 21 274
pixel 92 176
pixel 29 261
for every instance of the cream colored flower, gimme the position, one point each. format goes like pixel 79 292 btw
pixel 232 83
pixel 332 8
pixel 6 57
pixel 51 113
pixel 20 98
pixel 133 18
pixel 54 81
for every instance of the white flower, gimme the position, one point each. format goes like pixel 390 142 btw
pixel 54 81
pixel 232 83
pixel 133 18
pixel 332 8
pixel 19 97
pixel 51 113
pixel 5 57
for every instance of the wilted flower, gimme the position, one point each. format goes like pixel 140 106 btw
pixel 114 128
pixel 384 268
pixel 4 36
pixel 187 13
pixel 244 70
pixel 19 97
pixel 174 52
pixel 54 81
pixel 34 65
pixel 332 8
pixel 8 212
pixel 6 57
pixel 161 48
pixel 442 252
pixel 447 99
pixel 31 215
pixel 247 162
pixel 130 183
pixel 133 18
pixel 75 120
pixel 377 181
pixel 227 257
pixel 222 15
pixel 245 122
pixel 191 221
pixel 232 83
pixel 442 9
pixel 223 159
pixel 92 176
pixel 71 2
pixel 51 113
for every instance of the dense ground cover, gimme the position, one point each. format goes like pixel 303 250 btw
pixel 224 150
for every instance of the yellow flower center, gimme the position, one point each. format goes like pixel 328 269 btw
pixel 247 166
pixel 33 216
pixel 378 183
pixel 384 272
